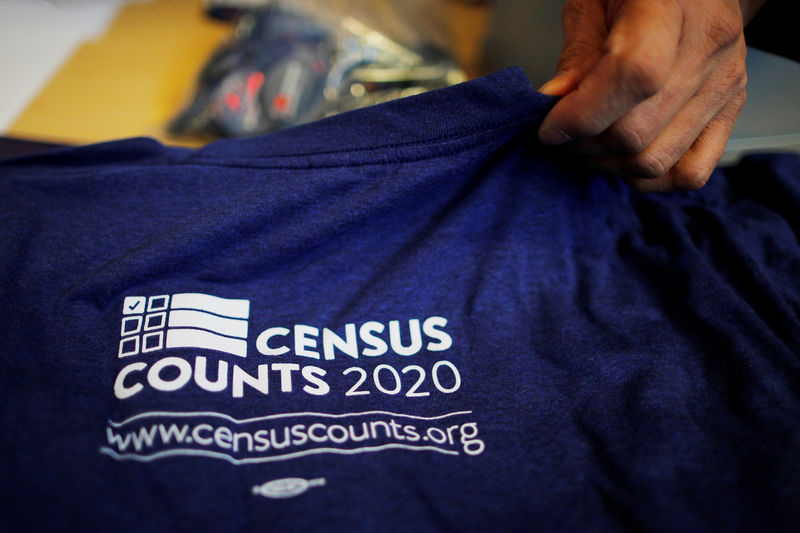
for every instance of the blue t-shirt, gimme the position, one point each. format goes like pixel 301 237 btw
pixel 410 317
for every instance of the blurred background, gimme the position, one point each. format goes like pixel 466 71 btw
pixel 189 71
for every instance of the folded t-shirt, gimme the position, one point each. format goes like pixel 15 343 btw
pixel 410 317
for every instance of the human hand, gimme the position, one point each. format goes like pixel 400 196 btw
pixel 651 88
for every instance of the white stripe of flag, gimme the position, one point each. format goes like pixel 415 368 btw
pixel 203 321
pixel 212 304
pixel 189 318
pixel 198 338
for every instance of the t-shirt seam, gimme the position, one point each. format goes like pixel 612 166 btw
pixel 420 142
pixel 224 161
pixel 168 161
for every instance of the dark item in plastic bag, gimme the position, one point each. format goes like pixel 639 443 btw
pixel 284 68
pixel 270 76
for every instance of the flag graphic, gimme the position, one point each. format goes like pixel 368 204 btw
pixel 188 320
pixel 204 321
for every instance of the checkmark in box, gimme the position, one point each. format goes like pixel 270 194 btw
pixel 134 305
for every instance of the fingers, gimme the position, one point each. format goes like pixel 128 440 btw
pixel 690 87
pixel 694 168
pixel 638 129
pixel 650 88
pixel 635 64
pixel 717 103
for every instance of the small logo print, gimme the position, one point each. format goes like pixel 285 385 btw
pixel 287 487
pixel 187 320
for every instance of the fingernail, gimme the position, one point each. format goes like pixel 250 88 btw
pixel 552 87
pixel 558 85
pixel 553 136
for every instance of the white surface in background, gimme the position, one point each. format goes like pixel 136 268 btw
pixel 770 120
pixel 36 38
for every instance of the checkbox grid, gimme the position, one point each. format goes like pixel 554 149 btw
pixel 143 322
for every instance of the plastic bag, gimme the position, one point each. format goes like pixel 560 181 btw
pixel 292 62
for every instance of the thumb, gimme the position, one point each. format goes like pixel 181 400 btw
pixel 585 34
